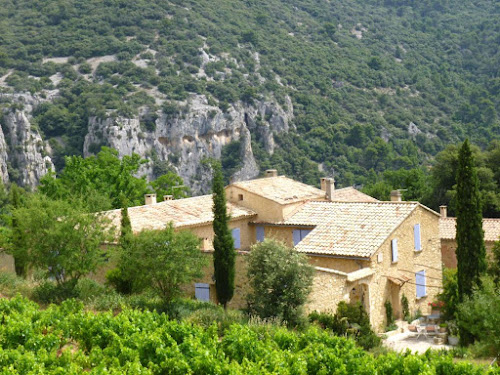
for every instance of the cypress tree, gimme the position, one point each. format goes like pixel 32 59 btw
pixel 471 252
pixel 224 253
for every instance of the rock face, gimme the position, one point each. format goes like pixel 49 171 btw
pixel 23 149
pixel 187 138
pixel 24 156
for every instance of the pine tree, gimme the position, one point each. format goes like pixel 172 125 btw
pixel 224 253
pixel 471 252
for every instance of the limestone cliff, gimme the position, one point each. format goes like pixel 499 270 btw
pixel 24 156
pixel 200 131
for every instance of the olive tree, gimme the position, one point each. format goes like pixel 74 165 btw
pixel 281 280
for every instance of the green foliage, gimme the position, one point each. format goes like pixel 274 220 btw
pixel 471 253
pixel 494 264
pixel 66 339
pixel 100 180
pixel 434 65
pixel 11 284
pixel 163 261
pixel 405 307
pixel 449 295
pixel 479 315
pixel 280 279
pixel 170 184
pixel 389 313
pixel 17 238
pixel 59 238
pixel 349 320
pixel 224 252
pixel 223 319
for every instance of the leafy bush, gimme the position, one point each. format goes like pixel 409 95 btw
pixel 480 315
pixel 349 320
pixel 449 295
pixel 50 292
pixel 121 283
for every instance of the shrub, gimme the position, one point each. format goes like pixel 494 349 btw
pixel 349 320
pixel 405 306
pixel 223 319
pixel 480 315
pixel 11 284
pixel 116 279
pixel 389 313
pixel 50 292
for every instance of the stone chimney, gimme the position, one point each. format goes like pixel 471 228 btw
pixel 444 211
pixel 150 199
pixel 271 173
pixel 168 197
pixel 328 186
pixel 395 196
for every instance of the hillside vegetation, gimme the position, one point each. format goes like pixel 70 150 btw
pixel 375 84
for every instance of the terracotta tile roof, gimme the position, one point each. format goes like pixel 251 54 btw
pixel 447 229
pixel 281 189
pixel 182 212
pixel 348 228
pixel 350 194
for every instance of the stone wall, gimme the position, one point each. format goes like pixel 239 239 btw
pixel 448 248
pixel 409 262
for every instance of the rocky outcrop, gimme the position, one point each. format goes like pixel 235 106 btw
pixel 197 132
pixel 23 149
pixel 4 173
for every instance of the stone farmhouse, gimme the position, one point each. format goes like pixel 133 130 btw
pixel 448 231
pixel 362 249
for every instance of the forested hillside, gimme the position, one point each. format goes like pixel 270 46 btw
pixel 373 84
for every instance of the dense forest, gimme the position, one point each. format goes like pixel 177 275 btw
pixel 376 85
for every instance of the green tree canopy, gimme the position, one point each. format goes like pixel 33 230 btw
pixel 280 279
pixel 163 260
pixel 58 238
pixel 99 180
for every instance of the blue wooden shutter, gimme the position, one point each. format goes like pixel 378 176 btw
pixel 416 236
pixel 394 250
pixel 260 234
pixel 304 233
pixel 236 237
pixel 421 286
pixel 296 236
pixel 202 292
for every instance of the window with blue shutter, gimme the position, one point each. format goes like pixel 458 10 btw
pixel 421 284
pixel 202 292
pixel 416 237
pixel 296 237
pixel 299 235
pixel 260 233
pixel 394 245
pixel 236 237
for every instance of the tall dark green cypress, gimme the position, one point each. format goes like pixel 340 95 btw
pixel 471 253
pixel 224 253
